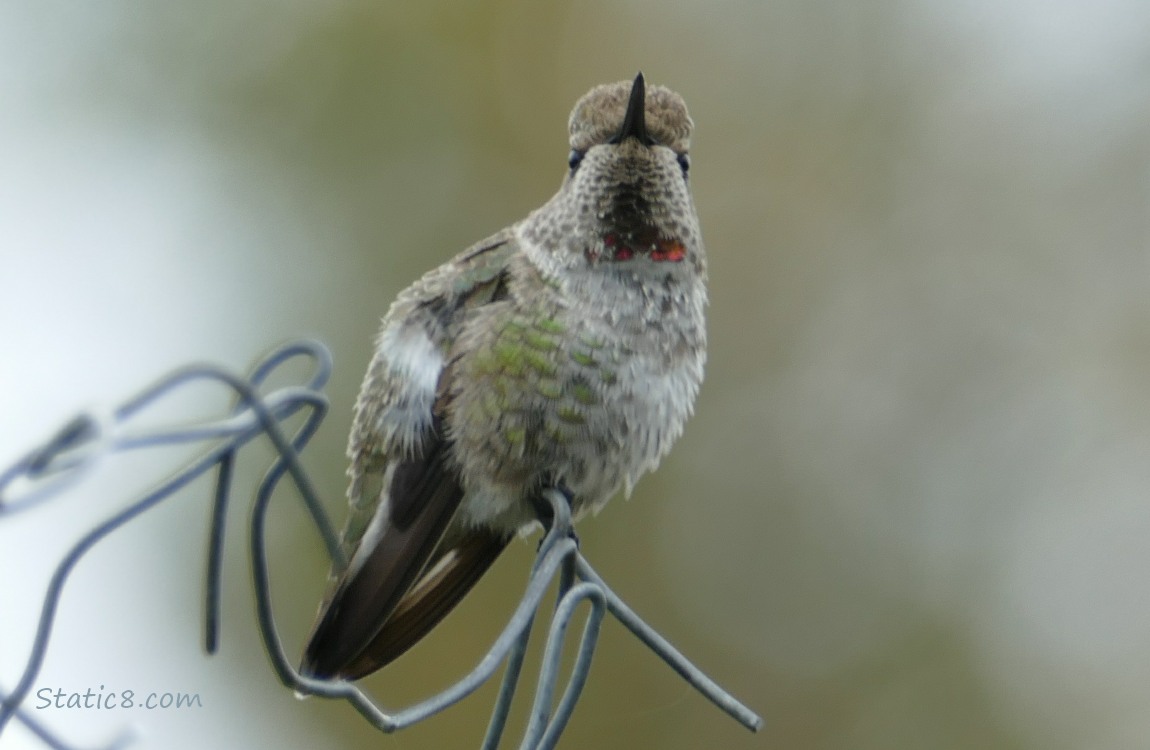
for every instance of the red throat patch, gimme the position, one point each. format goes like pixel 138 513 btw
pixel 660 251
pixel 668 250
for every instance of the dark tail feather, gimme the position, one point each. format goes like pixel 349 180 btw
pixel 436 593
pixel 422 498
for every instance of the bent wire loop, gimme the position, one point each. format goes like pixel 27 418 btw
pixel 64 459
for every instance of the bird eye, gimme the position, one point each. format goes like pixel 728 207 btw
pixel 574 159
pixel 684 164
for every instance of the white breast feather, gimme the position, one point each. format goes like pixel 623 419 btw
pixel 414 363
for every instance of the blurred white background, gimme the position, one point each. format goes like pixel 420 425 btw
pixel 912 508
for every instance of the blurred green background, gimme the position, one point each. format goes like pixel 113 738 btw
pixel 912 508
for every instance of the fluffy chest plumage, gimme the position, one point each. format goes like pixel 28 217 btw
pixel 554 384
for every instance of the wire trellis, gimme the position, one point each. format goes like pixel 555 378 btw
pixel 64 460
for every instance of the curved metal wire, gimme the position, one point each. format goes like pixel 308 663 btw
pixel 66 458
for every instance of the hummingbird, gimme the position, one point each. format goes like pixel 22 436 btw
pixel 564 351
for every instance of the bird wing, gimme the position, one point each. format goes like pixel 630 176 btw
pixel 400 581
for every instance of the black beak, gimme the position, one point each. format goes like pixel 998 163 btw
pixel 634 122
